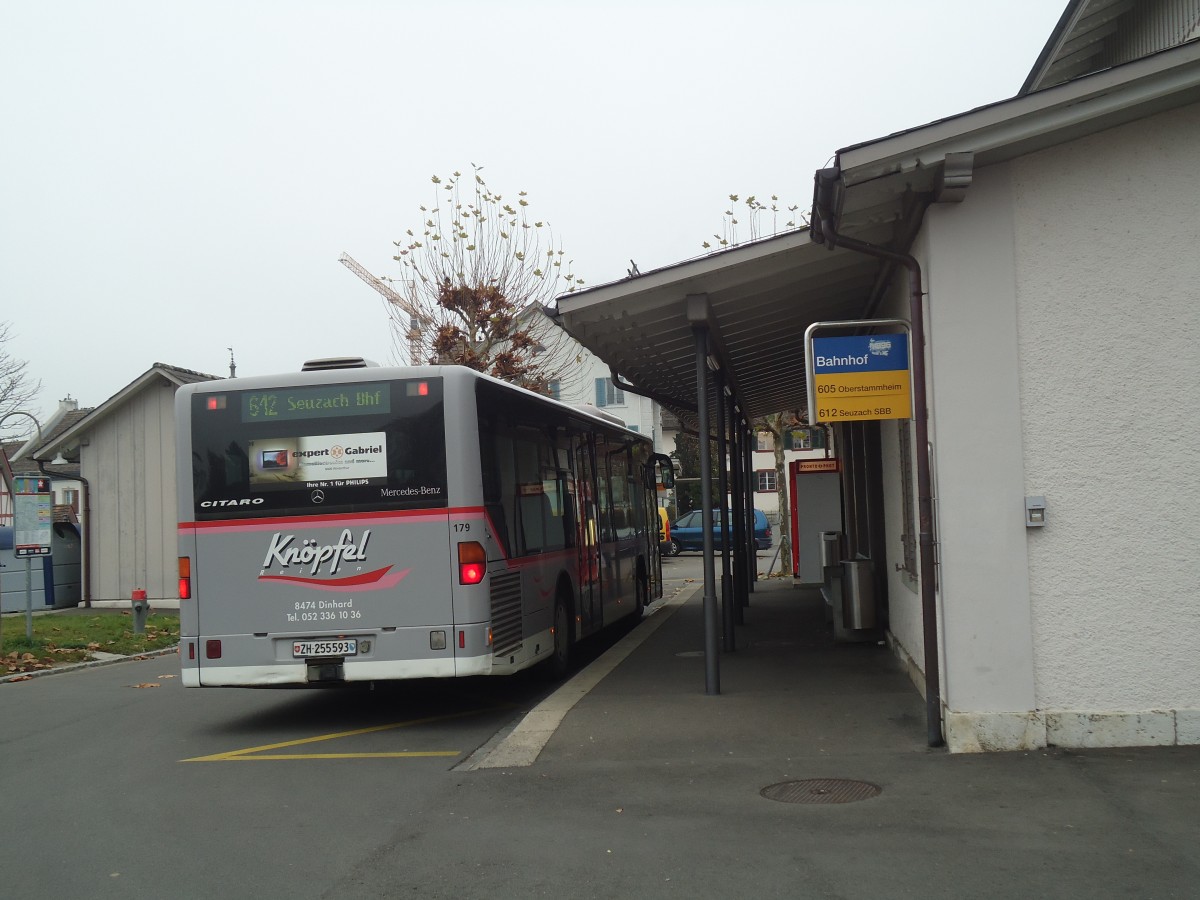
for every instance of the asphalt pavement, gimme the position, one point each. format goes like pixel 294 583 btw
pixel 808 775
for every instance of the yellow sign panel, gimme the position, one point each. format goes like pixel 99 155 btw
pixel 846 396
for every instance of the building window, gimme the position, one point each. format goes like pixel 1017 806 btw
pixel 608 394
pixel 555 389
pixel 804 438
pixel 766 481
pixel 766 443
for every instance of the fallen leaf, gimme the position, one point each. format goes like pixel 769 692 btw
pixel 167 676
pixel 147 684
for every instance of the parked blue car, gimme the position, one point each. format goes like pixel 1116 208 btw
pixel 688 532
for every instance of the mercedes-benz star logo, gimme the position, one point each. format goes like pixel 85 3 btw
pixel 318 496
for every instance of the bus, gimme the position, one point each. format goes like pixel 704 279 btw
pixel 353 522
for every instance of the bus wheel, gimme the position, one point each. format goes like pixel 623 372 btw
pixel 643 591
pixel 556 667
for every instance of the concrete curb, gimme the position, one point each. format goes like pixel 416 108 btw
pixel 90 664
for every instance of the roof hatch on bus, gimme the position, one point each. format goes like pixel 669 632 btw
pixel 338 362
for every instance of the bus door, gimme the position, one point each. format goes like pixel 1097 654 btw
pixel 588 537
pixel 617 537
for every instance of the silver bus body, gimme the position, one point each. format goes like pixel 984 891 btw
pixel 323 517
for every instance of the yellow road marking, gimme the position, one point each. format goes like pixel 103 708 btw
pixel 236 755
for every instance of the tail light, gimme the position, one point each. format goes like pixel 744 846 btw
pixel 185 578
pixel 472 562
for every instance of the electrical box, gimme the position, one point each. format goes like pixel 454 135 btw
pixel 1035 512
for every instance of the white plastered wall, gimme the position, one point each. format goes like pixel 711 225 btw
pixel 1064 331
pixel 1108 283
pixel 979 486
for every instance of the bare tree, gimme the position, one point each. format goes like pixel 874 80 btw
pixel 476 276
pixel 778 425
pixel 17 390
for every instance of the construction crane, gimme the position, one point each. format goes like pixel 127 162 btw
pixel 385 290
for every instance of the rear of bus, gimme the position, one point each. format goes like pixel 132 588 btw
pixel 315 536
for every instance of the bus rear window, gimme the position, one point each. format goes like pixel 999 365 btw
pixel 319 449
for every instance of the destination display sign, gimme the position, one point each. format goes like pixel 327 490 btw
pixel 860 378
pixel 325 401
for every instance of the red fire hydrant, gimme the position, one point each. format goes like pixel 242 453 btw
pixel 141 608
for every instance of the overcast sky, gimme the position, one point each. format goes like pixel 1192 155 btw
pixel 181 177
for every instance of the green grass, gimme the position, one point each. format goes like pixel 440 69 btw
pixel 64 639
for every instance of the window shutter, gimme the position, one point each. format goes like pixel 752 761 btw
pixel 601 398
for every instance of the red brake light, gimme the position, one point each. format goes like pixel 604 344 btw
pixel 185 578
pixel 472 562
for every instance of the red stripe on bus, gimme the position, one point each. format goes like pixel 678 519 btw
pixel 367 581
pixel 323 520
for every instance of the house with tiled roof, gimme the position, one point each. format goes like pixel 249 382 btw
pixel 124 451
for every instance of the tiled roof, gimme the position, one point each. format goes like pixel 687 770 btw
pixel 185 376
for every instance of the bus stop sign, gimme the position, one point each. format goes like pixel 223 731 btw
pixel 33 521
pixel 861 377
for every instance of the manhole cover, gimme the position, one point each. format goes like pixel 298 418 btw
pixel 821 790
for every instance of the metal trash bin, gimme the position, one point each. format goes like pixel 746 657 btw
pixel 858 595
pixel 831 549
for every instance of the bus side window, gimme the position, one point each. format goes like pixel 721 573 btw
pixel 561 532
pixel 619 488
pixel 528 490
pixel 604 492
pixel 534 513
pixel 499 480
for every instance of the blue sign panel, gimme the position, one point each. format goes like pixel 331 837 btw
pixel 861 353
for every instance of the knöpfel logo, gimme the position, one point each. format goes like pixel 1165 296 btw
pixel 311 555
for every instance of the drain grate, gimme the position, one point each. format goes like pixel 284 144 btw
pixel 821 790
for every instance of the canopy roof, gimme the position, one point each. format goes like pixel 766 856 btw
pixel 761 296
